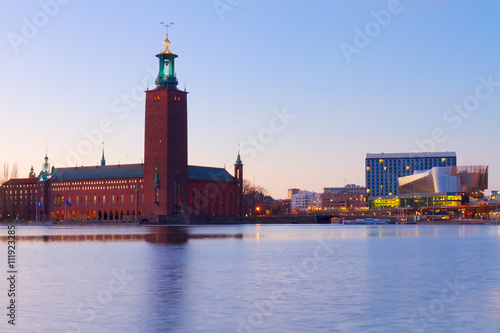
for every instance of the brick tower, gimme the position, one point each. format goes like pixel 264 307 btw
pixel 165 145
pixel 238 174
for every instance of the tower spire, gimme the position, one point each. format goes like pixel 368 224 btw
pixel 166 58
pixel 167 42
pixel 238 159
pixel 46 165
pixel 103 160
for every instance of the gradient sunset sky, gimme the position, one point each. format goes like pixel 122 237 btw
pixel 351 77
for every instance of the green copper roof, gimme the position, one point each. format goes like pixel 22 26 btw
pixel 208 173
pixel 132 171
pixel 238 160
pixel 99 172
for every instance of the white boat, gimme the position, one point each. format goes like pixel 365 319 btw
pixel 369 221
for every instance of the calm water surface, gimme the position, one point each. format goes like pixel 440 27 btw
pixel 263 278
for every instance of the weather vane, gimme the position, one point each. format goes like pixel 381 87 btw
pixel 167 25
pixel 166 42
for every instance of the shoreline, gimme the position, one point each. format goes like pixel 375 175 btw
pixel 245 221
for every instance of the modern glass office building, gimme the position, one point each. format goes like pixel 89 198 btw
pixel 383 170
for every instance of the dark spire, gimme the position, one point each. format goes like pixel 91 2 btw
pixel 103 161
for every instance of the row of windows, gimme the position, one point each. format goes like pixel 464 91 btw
pixel 339 200
pixel 157 98
pixel 20 200
pixel 115 199
pixel 343 203
pixel 94 188
pixel 98 182
pixel 21 192
pixel 20 186
pixel 342 195
pixel 402 167
pixel 410 160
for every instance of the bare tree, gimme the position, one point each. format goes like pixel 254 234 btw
pixel 251 189
pixel 15 171
pixel 5 173
pixel 255 196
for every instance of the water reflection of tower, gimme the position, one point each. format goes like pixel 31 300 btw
pixel 163 293
pixel 167 235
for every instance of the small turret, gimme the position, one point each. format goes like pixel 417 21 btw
pixel 238 159
pixel 46 165
pixel 238 168
pixel 32 173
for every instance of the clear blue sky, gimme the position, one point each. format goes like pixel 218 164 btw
pixel 244 63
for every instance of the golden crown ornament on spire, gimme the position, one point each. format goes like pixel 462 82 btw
pixel 167 42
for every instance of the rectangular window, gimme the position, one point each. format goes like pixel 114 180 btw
pixel 103 199
pixel 85 200
pixel 113 199
pixel 122 199
pixel 95 200
pixel 76 201
pixel 132 199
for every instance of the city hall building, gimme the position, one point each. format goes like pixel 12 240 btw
pixel 161 187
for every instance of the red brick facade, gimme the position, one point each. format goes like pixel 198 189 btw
pixel 108 199
pixel 165 151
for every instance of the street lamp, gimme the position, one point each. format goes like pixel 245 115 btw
pixel 136 200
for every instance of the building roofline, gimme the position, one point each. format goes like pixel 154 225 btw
pixel 411 155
